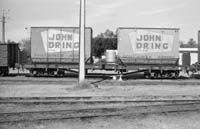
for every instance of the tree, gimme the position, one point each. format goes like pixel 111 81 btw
pixel 191 42
pixel 25 44
pixel 103 42
pixel 11 42
pixel 107 34
pixel 25 50
pixel 182 44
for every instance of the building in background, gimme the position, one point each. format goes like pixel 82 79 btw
pixel 188 56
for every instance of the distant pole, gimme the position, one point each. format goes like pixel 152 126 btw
pixel 3 28
pixel 82 42
pixel 199 46
pixel 3 25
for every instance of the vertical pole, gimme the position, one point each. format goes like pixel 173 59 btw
pixel 82 42
pixel 199 46
pixel 3 29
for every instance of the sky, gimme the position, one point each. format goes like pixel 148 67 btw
pixel 101 15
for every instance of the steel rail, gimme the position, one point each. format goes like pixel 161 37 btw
pixel 97 112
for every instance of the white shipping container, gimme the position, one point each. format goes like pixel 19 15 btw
pixel 58 44
pixel 148 43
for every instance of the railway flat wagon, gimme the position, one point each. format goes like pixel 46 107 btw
pixel 56 49
pixel 152 50
pixel 8 57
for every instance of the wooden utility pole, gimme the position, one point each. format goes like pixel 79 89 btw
pixel 3 28
pixel 82 42
pixel 3 25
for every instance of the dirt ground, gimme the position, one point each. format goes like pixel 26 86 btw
pixel 60 87
pixel 63 87
pixel 152 121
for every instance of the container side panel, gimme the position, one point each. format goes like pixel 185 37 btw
pixel 3 55
pixel 39 43
pixel 58 44
pixel 148 43
pixel 88 42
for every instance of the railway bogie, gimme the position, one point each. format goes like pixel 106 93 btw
pixel 47 72
pixel 155 74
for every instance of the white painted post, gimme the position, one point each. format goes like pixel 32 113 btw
pixel 82 42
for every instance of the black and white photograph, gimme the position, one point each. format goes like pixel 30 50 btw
pixel 99 64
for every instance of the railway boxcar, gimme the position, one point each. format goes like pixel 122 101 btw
pixel 54 49
pixel 8 57
pixel 155 50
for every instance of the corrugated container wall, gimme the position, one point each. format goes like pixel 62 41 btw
pixel 8 55
pixel 3 55
pixel 58 44
pixel 148 43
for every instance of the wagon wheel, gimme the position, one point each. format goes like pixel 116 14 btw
pixel 169 75
pixel 147 75
pixel 1 74
pixel 60 74
pixel 156 75
pixel 176 74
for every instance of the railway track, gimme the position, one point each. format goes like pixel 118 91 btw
pixel 96 99
pixel 101 81
pixel 94 108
